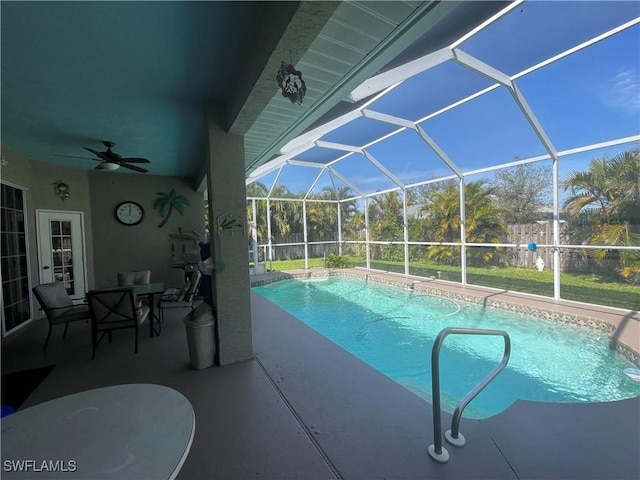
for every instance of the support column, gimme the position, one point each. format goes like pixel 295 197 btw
pixel 227 200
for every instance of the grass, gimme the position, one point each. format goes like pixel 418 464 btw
pixel 578 287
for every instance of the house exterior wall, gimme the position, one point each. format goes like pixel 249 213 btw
pixel 110 247
pixel 143 246
pixel 37 178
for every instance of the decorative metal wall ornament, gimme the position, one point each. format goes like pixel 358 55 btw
pixel 61 190
pixel 291 82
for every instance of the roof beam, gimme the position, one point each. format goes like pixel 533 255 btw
pixel 344 180
pixel 383 169
pixel 338 146
pixel 399 74
pixel 480 67
pixel 383 117
pixel 436 148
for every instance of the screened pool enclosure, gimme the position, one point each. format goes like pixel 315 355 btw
pixel 508 159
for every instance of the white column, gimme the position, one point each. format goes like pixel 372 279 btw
pixel 227 196
pixel 556 230
pixel 463 233
pixel 254 216
pixel 306 245
pixel 405 226
pixel 366 227
pixel 339 229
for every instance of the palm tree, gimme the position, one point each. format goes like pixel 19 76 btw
pixel 606 198
pixel 167 202
pixel 347 208
pixel 483 223
pixel 386 224
pixel 257 189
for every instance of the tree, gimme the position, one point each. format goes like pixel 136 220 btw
pixel 521 192
pixel 609 191
pixel 483 223
pixel 259 190
pixel 167 202
pixel 386 224
pixel 604 201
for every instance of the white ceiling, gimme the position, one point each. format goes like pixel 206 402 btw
pixel 140 73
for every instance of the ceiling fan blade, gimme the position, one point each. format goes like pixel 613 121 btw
pixel 100 167
pixel 134 160
pixel 95 152
pixel 73 156
pixel 133 167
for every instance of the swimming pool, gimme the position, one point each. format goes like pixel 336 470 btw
pixel 393 329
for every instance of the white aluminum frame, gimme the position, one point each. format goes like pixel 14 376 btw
pixel 380 85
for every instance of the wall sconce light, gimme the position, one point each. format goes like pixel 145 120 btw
pixel 291 82
pixel 61 190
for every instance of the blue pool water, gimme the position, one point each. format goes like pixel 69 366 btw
pixel 393 329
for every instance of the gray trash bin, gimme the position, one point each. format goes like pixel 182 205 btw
pixel 201 336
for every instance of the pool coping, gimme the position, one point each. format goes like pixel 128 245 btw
pixel 621 326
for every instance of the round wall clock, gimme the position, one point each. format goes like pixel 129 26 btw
pixel 129 213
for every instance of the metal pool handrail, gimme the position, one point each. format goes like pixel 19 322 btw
pixel 436 451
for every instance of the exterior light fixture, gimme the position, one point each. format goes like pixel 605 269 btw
pixel 291 82
pixel 61 189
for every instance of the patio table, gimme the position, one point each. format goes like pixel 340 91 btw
pixel 136 431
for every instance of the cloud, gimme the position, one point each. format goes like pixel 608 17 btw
pixel 624 92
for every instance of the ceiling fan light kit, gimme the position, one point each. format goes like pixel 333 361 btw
pixel 107 166
pixel 110 160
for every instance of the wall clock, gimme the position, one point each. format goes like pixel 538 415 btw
pixel 129 213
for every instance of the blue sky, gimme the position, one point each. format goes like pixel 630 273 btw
pixel 589 97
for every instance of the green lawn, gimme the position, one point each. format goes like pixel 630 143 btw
pixel 578 287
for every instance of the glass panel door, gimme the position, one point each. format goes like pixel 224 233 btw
pixel 61 253
pixel 61 250
pixel 16 307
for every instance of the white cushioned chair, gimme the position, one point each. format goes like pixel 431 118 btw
pixel 58 306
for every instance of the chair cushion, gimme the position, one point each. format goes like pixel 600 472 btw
pixel 54 295
pixel 139 277
pixel 70 314
pixel 172 295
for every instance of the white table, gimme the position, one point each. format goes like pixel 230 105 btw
pixel 136 431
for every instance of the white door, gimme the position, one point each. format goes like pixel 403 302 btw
pixel 61 250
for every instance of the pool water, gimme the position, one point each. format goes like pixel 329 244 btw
pixel 393 329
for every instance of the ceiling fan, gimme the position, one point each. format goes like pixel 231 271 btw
pixel 110 160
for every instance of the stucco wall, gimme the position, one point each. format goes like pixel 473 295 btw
pixel 110 247
pixel 144 246
pixel 37 178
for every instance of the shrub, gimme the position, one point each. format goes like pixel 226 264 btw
pixel 337 261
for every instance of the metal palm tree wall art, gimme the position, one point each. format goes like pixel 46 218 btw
pixel 167 202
